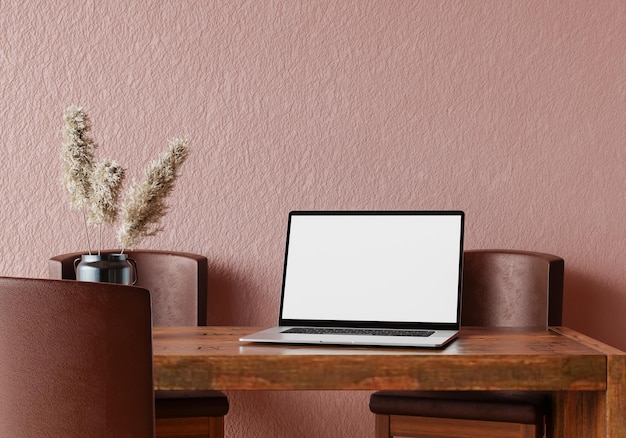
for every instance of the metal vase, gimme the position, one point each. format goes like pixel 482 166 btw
pixel 106 268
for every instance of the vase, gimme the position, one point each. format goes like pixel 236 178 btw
pixel 106 268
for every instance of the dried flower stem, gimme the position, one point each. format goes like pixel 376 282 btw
pixel 144 205
pixel 84 211
pixel 77 153
pixel 107 179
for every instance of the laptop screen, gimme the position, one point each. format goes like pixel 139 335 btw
pixel 391 269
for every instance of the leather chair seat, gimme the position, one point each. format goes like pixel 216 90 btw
pixel 520 407
pixel 182 404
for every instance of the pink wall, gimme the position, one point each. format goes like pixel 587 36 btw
pixel 512 111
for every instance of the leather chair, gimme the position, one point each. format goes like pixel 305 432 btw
pixel 76 360
pixel 501 288
pixel 178 284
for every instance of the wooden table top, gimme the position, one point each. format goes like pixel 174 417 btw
pixel 480 359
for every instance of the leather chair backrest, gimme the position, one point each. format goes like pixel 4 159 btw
pixel 76 359
pixel 506 288
pixel 176 280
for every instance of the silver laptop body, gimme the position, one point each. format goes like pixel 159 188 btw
pixel 374 278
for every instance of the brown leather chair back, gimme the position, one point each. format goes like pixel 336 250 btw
pixel 76 359
pixel 176 280
pixel 505 288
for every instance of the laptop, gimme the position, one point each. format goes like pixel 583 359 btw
pixel 371 278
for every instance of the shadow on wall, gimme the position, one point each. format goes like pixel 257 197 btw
pixel 591 307
pixel 221 304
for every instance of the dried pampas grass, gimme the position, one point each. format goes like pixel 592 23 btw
pixel 95 187
pixel 77 153
pixel 144 205
pixel 106 182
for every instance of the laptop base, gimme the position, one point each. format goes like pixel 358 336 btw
pixel 275 335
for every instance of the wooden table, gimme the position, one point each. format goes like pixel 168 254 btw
pixel 587 378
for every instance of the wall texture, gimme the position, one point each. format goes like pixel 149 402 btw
pixel 512 111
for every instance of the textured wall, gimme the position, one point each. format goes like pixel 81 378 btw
pixel 512 111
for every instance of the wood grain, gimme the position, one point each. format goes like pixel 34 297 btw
pixel 599 412
pixel 585 376
pixel 403 426
pixel 213 358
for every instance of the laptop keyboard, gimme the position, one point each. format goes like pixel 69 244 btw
pixel 359 331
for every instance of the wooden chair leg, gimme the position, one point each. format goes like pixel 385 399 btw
pixel 382 429
pixel 216 427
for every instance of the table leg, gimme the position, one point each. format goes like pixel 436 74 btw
pixel 579 414
pixel 593 414
pixel 616 396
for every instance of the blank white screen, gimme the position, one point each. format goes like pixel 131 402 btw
pixel 401 268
